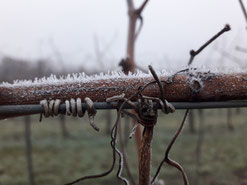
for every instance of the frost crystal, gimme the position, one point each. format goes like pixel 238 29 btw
pixel 83 78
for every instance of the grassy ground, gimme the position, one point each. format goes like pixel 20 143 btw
pixel 57 160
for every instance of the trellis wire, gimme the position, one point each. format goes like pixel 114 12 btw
pixel 37 109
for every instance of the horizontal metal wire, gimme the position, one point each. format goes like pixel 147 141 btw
pixel 8 110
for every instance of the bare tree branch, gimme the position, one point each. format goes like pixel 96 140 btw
pixel 194 53
pixel 130 4
pixel 140 27
pixel 243 9
pixel 139 10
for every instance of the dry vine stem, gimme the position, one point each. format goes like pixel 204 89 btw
pixel 128 64
pixel 195 53
pixel 170 161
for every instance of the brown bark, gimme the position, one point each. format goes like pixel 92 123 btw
pixel 214 88
pixel 131 43
pixel 145 152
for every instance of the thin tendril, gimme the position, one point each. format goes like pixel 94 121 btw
pixel 170 161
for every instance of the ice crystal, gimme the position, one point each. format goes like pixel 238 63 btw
pixel 83 78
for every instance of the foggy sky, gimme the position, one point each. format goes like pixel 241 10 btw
pixel 33 28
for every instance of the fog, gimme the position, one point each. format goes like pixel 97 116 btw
pixel 35 28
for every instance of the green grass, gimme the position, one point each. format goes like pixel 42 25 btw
pixel 57 160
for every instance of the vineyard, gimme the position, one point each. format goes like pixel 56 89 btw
pixel 136 125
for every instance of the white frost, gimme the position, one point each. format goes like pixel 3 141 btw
pixel 83 78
